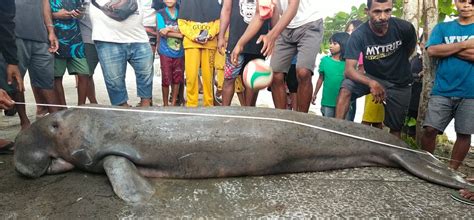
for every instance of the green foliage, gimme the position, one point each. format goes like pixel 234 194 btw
pixel 338 23
pixel 446 9
pixel 410 141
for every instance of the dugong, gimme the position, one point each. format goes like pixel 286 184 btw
pixel 130 144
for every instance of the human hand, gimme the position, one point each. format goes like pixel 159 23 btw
pixel 221 45
pixel 13 73
pixel 313 100
pixel 5 101
pixel 164 31
pixel 268 43
pixel 201 40
pixel 377 91
pixel 53 43
pixel 234 57
pixel 77 13
pixel 62 14
pixel 468 44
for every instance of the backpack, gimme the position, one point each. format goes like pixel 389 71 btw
pixel 118 10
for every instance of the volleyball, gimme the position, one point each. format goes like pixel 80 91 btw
pixel 257 74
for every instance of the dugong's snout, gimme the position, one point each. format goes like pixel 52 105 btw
pixel 30 159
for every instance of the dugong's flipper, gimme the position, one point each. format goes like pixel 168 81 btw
pixel 126 181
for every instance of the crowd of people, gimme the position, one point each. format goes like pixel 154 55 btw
pixel 199 39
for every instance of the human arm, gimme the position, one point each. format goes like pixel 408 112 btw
pixel 446 50
pixel 5 101
pixel 225 21
pixel 319 83
pixel 438 48
pixel 48 21
pixel 467 54
pixel 411 39
pixel 376 89
pixel 270 38
pixel 64 14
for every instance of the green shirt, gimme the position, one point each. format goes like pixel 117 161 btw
pixel 333 71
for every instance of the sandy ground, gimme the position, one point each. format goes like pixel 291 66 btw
pixel 362 193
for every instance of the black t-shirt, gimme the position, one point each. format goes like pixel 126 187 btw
pixel 385 57
pixel 240 16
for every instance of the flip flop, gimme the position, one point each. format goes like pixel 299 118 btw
pixel 7 149
pixel 456 196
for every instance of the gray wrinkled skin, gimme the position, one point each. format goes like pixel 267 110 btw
pixel 210 142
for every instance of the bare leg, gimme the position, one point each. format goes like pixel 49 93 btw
pixel 165 90
pixel 305 89
pixel 241 97
pixel 460 149
pixel 82 87
pixel 24 121
pixel 174 94
pixel 181 99
pixel 59 90
pixel 250 97
pixel 343 101
pixel 428 140
pixel 278 91
pixel 49 96
pixel 294 102
pixel 40 110
pixel 91 90
pixel 228 90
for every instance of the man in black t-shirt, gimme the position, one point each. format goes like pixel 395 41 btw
pixel 386 44
pixel 236 16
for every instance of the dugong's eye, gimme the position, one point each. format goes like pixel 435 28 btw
pixel 54 126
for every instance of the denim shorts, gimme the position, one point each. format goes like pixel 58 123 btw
pixel 35 58
pixel 113 60
pixel 441 110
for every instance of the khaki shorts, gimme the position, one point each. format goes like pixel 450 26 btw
pixel 73 65
pixel 304 41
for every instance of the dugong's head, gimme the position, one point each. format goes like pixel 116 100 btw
pixel 37 146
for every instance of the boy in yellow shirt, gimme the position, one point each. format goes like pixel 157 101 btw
pixel 199 23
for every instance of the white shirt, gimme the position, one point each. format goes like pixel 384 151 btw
pixel 307 12
pixel 149 14
pixel 106 29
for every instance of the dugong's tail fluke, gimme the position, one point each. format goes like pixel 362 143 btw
pixel 427 167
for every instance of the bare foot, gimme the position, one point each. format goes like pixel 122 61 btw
pixel 145 103
pixel 125 105
pixel 467 194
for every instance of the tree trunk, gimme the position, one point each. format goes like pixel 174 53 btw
pixel 412 11
pixel 430 16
